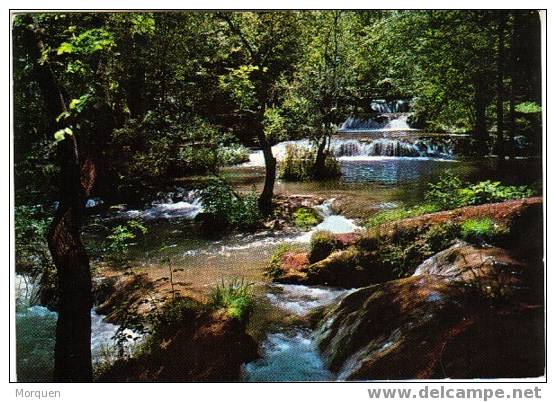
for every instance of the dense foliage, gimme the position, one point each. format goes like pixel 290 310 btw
pixel 299 165
pixel 152 96
pixel 223 207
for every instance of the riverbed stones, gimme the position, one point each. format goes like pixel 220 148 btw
pixel 458 316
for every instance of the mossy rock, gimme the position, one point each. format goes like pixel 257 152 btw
pixel 305 218
pixel 323 243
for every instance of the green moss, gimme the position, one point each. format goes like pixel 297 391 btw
pixel 397 214
pixel 323 243
pixel 305 217
pixel 482 230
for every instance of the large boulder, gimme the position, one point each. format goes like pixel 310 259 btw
pixel 460 316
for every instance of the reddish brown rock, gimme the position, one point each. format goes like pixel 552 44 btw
pixel 462 315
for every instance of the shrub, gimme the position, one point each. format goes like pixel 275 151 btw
pixel 246 212
pixel 451 192
pixel 169 318
pixel 323 243
pixel 305 217
pixel 223 207
pixel 481 230
pixel 398 255
pixel 121 237
pixel 31 250
pixel 299 165
pixel 397 214
pixel 232 155
pixel 235 297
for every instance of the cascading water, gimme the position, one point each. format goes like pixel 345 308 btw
pixel 291 354
pixel 383 122
pixel 177 204
pixel 36 330
pixel 388 116
pixel 346 148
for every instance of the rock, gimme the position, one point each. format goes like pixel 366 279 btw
pixel 356 259
pixel 441 322
pixel 212 347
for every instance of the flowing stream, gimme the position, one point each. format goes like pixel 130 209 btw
pixel 378 172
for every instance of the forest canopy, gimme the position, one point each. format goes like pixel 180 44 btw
pixel 152 96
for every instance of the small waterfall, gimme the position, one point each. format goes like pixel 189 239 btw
pixel 408 146
pixel 331 222
pixel 177 204
pixel 382 122
pixel 390 147
pixel 291 353
pixel 36 332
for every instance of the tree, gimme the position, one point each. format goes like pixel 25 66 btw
pixel 321 92
pixel 76 178
pixel 264 47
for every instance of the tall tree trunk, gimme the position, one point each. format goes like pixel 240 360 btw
pixel 481 133
pixel 320 160
pixel 72 353
pixel 265 199
pixel 513 83
pixel 500 144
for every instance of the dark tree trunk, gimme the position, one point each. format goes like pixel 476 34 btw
pixel 135 85
pixel 265 199
pixel 481 133
pixel 500 143
pixel 320 160
pixel 513 83
pixel 73 330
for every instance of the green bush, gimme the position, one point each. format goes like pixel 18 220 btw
pixel 323 243
pixel 305 217
pixel 232 155
pixel 481 230
pixel 451 192
pixel 121 237
pixel 299 165
pixel 223 206
pixel 397 214
pixel 173 314
pixel 31 249
pixel 235 297
pixel 401 253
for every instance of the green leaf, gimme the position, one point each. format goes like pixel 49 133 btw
pixel 62 115
pixel 65 48
pixel 59 135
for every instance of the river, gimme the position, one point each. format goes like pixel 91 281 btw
pixel 377 173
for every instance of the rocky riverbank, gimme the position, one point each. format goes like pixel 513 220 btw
pixel 448 309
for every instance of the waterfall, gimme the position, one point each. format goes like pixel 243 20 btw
pixel 391 147
pixel 383 122
pixel 370 147
pixel 36 332
pixel 177 204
